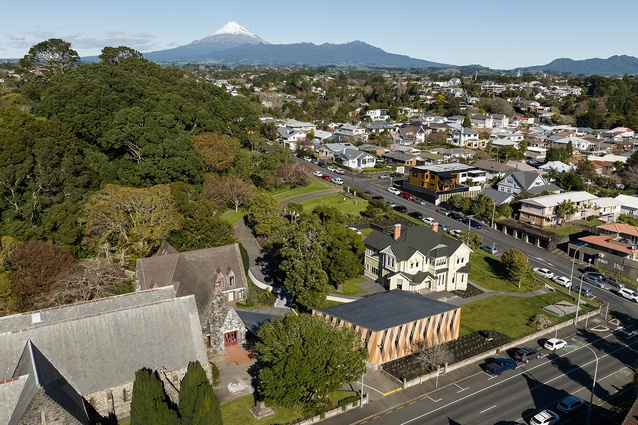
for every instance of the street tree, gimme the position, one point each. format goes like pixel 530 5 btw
pixel 306 359
pixel 264 213
pixel 565 209
pixel 128 222
pixel 149 402
pixel 431 355
pixel 198 404
pixel 482 206
pixel 229 191
pixel 342 256
pixel 515 265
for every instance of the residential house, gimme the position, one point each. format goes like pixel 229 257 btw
pixel 500 121
pixel 301 126
pixel 379 126
pixel 618 244
pixel 608 209
pixel 329 150
pixel 498 196
pixel 481 121
pixel 628 205
pixel 403 159
pixel 71 363
pixel 436 183
pixel 618 133
pixel 493 169
pixel 355 158
pixel 290 138
pixel 416 259
pixel 351 132
pixel 579 144
pixel 393 323
pixel 517 181
pixel 215 276
pixel 465 137
pixel 541 211
pixel 377 114
pixel 412 133
pixel 558 166
pixel 454 153
pixel 375 150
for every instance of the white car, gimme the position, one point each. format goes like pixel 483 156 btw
pixel 546 417
pixel 455 233
pixel 429 220
pixel 628 294
pixel 563 281
pixel 317 173
pixel 354 229
pixel 548 274
pixel 331 168
pixel 337 180
pixel 554 344
pixel 340 171
pixel 394 190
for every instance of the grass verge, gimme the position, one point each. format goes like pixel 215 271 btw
pixel 311 188
pixel 486 271
pixel 340 202
pixel 350 286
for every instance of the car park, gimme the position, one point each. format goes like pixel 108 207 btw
pixel 583 290
pixel 406 195
pixel 419 201
pixel 554 344
pixel 490 249
pixel 614 281
pixel 628 294
pixel 384 176
pixel 543 272
pixel 524 354
pixel 401 209
pixel 594 281
pixel 394 190
pixel 317 173
pixel 570 404
pixel 498 366
pixel 429 220
pixel 416 214
pixel 337 181
pixel 562 281
pixel 545 417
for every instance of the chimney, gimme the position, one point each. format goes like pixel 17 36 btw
pixel 397 231
pixel 435 226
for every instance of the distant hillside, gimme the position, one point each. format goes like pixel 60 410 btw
pixel 615 65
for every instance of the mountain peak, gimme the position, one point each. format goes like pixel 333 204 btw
pixel 234 28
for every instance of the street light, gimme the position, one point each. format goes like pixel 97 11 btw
pixel 571 276
pixel 580 289
pixel 593 385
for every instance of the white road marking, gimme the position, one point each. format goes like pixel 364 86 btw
pixel 489 408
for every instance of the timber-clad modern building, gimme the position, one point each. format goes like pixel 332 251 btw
pixel 393 323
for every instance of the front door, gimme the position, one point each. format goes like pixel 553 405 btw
pixel 230 338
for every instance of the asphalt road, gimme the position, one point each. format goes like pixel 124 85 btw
pixel 518 394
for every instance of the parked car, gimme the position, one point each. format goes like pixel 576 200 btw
pixel 394 190
pixel 416 214
pixel 326 177
pixel 570 404
pixel 554 344
pixel 337 180
pixel 614 281
pixel 456 216
pixel 498 366
pixel 384 176
pixel 354 229
pixel 455 233
pixel 543 272
pixel 594 280
pixel 340 171
pixel 419 201
pixel 401 209
pixel 331 168
pixel 378 197
pixel 391 203
pixel 628 294
pixel 443 226
pixel 475 224
pixel 317 173
pixel 524 354
pixel 429 220
pixel 546 417
pixel 490 249
pixel 594 272
pixel 443 211
pixel 406 195
pixel 563 281
pixel 584 291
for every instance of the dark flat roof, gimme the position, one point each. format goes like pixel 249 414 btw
pixel 387 309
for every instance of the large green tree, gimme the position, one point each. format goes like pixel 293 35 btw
pixel 342 256
pixel 515 265
pixel 149 403
pixel 198 404
pixel 305 359
pixel 264 214
pixel 565 209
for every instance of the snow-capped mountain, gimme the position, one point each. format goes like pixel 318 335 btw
pixel 231 35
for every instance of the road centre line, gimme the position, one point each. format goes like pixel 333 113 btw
pixel 507 379
pixel 489 408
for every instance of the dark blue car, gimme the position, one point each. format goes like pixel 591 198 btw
pixel 498 366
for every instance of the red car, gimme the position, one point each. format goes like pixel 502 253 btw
pixel 407 195
pixel 326 177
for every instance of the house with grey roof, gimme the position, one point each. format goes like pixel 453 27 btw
pixel 516 181
pixel 77 361
pixel 393 323
pixel 214 276
pixel 329 150
pixel 354 158
pixel 417 259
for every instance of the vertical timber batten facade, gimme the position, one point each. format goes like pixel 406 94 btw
pixel 393 323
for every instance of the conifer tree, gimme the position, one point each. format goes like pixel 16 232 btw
pixel 198 404
pixel 149 404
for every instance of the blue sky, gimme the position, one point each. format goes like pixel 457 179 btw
pixel 494 33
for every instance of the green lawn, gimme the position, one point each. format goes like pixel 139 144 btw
pixel 350 286
pixel 237 412
pixel 340 202
pixel 328 303
pixel 311 188
pixel 564 230
pixel 507 315
pixel 231 216
pixel 486 270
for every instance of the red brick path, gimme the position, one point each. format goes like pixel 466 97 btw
pixel 237 354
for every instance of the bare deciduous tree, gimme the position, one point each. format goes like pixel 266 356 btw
pixel 432 356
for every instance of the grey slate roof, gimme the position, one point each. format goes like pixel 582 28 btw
pixel 387 309
pixel 417 238
pixel 498 196
pixel 193 272
pixel 254 318
pixel 100 348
